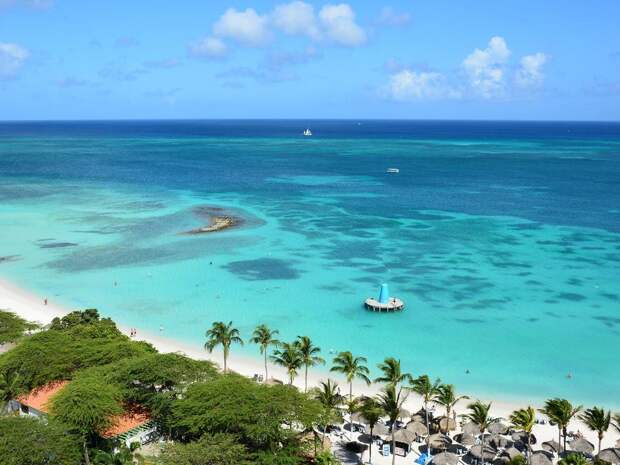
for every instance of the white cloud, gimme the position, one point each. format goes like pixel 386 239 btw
pixel 247 26
pixel 389 17
pixel 209 47
pixel 409 85
pixel 340 26
pixel 530 72
pixel 486 68
pixel 12 58
pixel 296 18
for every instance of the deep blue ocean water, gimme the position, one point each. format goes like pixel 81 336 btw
pixel 503 238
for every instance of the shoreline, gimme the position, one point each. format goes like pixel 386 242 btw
pixel 31 307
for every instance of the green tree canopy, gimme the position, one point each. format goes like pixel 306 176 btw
pixel 236 405
pixel 13 327
pixel 28 441
pixel 57 354
pixel 87 406
pixel 210 449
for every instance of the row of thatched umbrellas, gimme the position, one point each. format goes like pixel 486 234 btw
pixel 498 448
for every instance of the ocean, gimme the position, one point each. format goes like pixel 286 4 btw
pixel 502 238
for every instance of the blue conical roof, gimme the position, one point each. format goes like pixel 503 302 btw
pixel 384 294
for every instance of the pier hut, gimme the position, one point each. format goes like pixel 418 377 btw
pixel 385 303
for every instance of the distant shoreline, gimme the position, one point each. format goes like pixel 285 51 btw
pixel 31 307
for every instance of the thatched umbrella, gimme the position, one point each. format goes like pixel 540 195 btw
pixel 404 436
pixel 439 441
pixel 489 453
pixel 497 428
pixel 511 452
pixel 445 458
pixel 465 439
pixel 471 428
pixel 418 418
pixel 380 430
pixel 522 436
pixel 611 455
pixel 446 424
pixel 404 413
pixel 618 443
pixel 582 445
pixel 416 427
pixel 540 458
pixel 358 418
pixel 498 441
pixel 552 446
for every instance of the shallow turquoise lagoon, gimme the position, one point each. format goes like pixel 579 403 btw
pixel 505 250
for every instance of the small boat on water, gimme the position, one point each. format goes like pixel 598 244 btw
pixel 393 170
pixel 307 132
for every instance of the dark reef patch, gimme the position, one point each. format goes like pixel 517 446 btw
pixel 572 296
pixel 57 245
pixel 263 269
pixel 608 321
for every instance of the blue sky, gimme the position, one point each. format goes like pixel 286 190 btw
pixel 62 59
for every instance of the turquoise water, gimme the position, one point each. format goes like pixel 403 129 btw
pixel 504 243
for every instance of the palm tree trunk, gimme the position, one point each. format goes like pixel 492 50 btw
pixel 370 446
pixel 306 380
pixel 559 439
pixel 86 457
pixel 350 413
pixel 564 434
pixel 225 357
pixel 482 446
pixel 529 447
pixel 600 439
pixel 428 427
pixel 266 373
pixel 393 444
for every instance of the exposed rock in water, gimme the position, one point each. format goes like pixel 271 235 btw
pixel 218 223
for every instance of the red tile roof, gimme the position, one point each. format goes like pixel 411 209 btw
pixel 129 420
pixel 39 398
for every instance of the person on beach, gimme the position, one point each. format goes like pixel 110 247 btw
pixel 45 301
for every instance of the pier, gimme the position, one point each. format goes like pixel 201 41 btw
pixel 384 303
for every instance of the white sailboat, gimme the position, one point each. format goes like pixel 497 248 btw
pixel 307 132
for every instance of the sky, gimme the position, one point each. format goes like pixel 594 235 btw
pixel 415 59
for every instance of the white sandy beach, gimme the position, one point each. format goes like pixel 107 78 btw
pixel 32 308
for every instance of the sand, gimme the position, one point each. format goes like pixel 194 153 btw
pixel 31 307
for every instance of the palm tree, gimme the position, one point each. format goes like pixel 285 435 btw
pixel 309 356
pixel 352 367
pixel 447 398
pixel 371 411
pixel 479 414
pixel 392 374
pixel 9 389
pixel 598 421
pixel 224 335
pixel 352 407
pixel 287 355
pixel 329 397
pixel 560 412
pixel 391 402
pixel 264 337
pixel 525 419
pixel 423 386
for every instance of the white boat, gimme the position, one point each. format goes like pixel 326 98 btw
pixel 393 170
pixel 307 132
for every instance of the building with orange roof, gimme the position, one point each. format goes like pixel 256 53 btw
pixel 134 425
